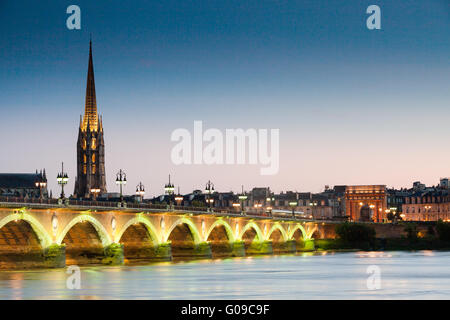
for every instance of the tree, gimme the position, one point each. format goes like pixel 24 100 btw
pixel 411 231
pixel 390 216
pixel 355 232
pixel 443 230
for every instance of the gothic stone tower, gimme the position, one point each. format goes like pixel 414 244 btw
pixel 90 146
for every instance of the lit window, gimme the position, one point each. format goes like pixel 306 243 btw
pixel 93 158
pixel 94 144
pixel 93 169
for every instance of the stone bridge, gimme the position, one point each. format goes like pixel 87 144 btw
pixel 37 235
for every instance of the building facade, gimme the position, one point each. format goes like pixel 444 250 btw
pixel 427 205
pixel 24 185
pixel 366 203
pixel 91 180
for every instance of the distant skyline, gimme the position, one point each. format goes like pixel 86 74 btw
pixel 353 106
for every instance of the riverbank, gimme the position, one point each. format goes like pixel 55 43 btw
pixel 389 244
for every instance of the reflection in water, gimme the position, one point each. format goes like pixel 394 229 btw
pixel 324 275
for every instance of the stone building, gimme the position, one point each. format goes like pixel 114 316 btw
pixel 366 203
pixel 24 185
pixel 427 205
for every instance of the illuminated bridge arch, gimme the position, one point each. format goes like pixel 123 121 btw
pixel 227 227
pixel 254 226
pixel 302 229
pixel 148 225
pixel 279 227
pixel 44 238
pixel 101 231
pixel 192 228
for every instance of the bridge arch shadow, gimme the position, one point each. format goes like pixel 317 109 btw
pixel 85 239
pixel 22 240
pixel 140 240
pixel 220 237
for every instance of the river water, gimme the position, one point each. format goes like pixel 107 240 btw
pixel 403 275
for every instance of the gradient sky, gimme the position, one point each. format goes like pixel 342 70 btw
pixel 353 106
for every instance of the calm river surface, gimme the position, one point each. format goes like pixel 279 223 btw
pixel 404 275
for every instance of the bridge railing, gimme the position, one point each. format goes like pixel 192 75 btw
pixel 141 206
pixel 28 200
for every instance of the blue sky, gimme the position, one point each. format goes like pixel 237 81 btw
pixel 353 106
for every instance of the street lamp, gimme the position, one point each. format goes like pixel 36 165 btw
pixel 121 179
pixel 95 192
pixel 169 189
pixel 178 197
pixel 209 190
pixel 140 191
pixel 293 204
pixel 242 197
pixel 62 179
pixel 41 184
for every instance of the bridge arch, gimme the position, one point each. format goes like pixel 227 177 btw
pixel 227 227
pixel 44 238
pixel 192 228
pixel 139 239
pixel 101 231
pixel 148 225
pixel 254 226
pixel 184 239
pixel 313 231
pixel 301 228
pixel 220 238
pixel 279 227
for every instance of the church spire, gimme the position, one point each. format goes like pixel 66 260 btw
pixel 90 111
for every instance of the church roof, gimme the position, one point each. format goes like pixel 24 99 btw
pixel 19 180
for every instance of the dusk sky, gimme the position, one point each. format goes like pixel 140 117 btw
pixel 354 106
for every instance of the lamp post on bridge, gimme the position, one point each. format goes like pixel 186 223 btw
pixel 62 178
pixel 121 180
pixel 293 204
pixel 41 183
pixel 95 192
pixel 140 191
pixel 209 190
pixel 178 197
pixel 242 198
pixel 169 189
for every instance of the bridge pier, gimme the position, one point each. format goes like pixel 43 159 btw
pixel 113 254
pixel 308 245
pixel 238 249
pixel 55 256
pixel 285 247
pixel 202 250
pixel 260 247
pixel 163 252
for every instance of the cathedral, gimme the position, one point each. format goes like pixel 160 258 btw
pixel 90 181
